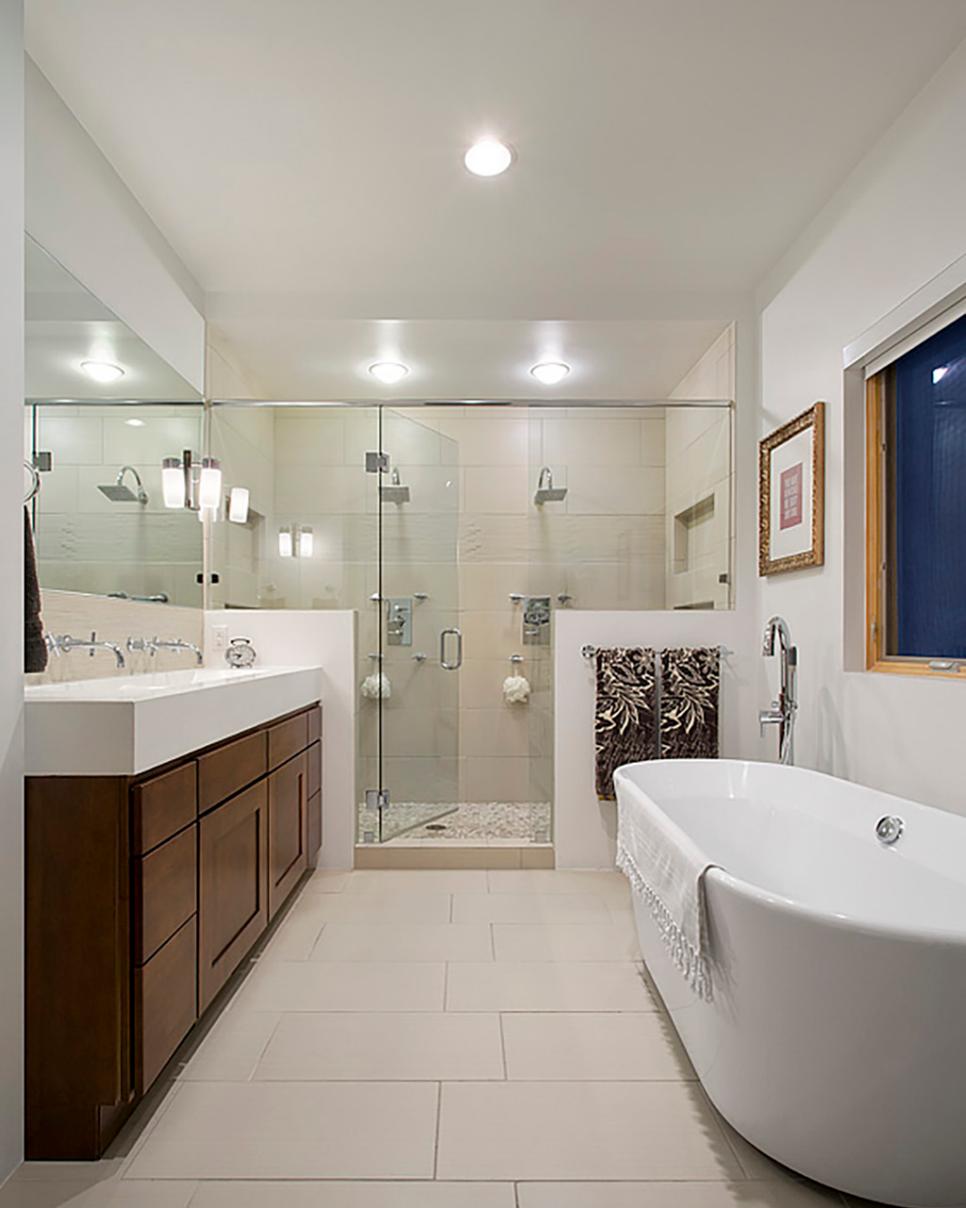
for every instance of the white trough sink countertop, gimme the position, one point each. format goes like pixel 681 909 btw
pixel 127 724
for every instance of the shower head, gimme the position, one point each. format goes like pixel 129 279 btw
pixel 548 493
pixel 395 492
pixel 119 492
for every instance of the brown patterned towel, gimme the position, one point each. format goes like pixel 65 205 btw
pixel 690 679
pixel 625 728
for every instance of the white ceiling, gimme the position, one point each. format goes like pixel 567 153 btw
pixel 303 157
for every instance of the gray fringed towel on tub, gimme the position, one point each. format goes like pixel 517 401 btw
pixel 624 728
pixel 690 682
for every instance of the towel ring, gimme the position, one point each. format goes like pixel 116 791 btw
pixel 34 481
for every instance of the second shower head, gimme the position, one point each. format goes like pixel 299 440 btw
pixel 119 492
pixel 548 493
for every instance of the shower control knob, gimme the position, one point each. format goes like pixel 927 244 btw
pixel 888 828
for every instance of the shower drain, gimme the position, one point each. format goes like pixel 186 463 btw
pixel 435 826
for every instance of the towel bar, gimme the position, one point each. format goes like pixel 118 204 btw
pixel 589 651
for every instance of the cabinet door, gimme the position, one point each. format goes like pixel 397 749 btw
pixel 233 886
pixel 287 829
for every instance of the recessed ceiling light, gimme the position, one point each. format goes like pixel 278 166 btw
pixel 134 423
pixel 102 371
pixel 550 373
pixel 388 372
pixel 488 157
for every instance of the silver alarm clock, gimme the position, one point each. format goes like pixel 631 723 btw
pixel 240 653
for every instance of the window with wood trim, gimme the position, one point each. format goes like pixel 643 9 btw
pixel 916 508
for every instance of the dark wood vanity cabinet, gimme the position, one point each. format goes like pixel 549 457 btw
pixel 144 895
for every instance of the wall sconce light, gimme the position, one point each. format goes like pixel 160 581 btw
pixel 296 541
pixel 192 484
pixel 238 505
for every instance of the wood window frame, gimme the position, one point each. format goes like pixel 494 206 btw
pixel 876 576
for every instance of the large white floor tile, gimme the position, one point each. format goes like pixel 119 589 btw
pixel 293 1130
pixel 529 908
pixel 611 941
pixel 342 986
pixel 547 986
pixel 230 1051
pixel 786 1194
pixel 294 939
pixel 610 885
pixel 417 880
pixel 390 1047
pixel 579 1130
pixel 404 942
pixel 61 1193
pixel 326 880
pixel 393 906
pixel 354 1195
pixel 562 1046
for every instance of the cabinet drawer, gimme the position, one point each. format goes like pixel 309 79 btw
pixel 166 892
pixel 314 754
pixel 166 1002
pixel 162 806
pixel 226 770
pixel 287 739
pixel 315 723
pixel 315 826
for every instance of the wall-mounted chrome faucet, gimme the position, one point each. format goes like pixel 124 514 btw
pixel 153 645
pixel 783 710
pixel 65 642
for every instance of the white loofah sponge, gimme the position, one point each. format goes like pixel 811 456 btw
pixel 516 690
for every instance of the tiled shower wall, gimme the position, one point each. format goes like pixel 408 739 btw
pixel 700 484
pixel 86 543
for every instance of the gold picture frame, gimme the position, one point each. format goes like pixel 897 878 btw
pixel 791 494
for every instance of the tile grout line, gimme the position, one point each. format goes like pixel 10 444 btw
pixel 503 1046
pixel 439 1110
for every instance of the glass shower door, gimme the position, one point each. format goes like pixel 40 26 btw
pixel 414 600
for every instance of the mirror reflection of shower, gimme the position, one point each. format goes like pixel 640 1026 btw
pixel 120 492
pixel 395 492
pixel 546 491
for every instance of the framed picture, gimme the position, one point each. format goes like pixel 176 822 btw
pixel 791 494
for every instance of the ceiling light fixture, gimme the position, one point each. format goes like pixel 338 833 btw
pixel 388 372
pixel 102 371
pixel 488 157
pixel 134 423
pixel 550 373
pixel 939 374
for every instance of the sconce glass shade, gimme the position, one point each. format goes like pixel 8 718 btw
pixel 306 542
pixel 238 505
pixel 209 487
pixel 172 483
pixel 285 547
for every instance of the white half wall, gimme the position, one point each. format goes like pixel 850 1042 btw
pixel 81 212
pixel 319 638
pixel 585 828
pixel 898 222
pixel 11 575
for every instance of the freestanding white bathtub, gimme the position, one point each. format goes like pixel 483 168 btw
pixel 835 1040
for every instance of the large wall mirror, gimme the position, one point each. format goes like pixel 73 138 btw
pixel 102 412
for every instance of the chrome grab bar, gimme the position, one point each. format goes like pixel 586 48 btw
pixel 443 634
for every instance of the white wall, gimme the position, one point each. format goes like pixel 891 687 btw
pixel 584 827
pixel 82 213
pixel 896 223
pixel 326 639
pixel 11 575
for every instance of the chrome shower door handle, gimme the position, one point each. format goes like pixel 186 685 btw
pixel 443 635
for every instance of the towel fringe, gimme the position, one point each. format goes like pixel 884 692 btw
pixel 689 962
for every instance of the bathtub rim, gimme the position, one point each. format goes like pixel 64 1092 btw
pixel 783 903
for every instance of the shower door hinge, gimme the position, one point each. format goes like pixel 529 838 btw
pixel 377 799
pixel 377 463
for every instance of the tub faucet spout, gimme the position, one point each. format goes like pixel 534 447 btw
pixel 782 711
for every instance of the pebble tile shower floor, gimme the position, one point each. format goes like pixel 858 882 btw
pixel 435 1039
pixel 468 822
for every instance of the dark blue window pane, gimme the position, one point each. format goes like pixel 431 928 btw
pixel 929 505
